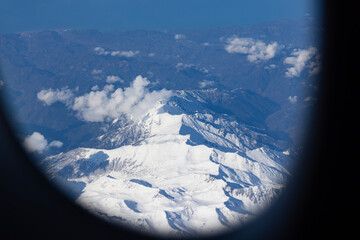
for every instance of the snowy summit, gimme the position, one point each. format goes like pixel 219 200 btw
pixel 188 171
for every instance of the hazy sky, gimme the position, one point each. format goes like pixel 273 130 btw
pixel 29 15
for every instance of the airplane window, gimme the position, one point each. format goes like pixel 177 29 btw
pixel 170 118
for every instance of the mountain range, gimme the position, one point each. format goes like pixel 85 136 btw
pixel 176 133
pixel 183 170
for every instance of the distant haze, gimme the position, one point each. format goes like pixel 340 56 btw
pixel 23 15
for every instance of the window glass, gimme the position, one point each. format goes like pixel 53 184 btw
pixel 173 118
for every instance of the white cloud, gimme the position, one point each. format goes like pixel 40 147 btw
pixel 271 66
pixel 110 103
pixel 95 88
pixel 56 144
pixel 99 106
pixel 50 96
pixel 293 99
pixel 255 50
pixel 36 142
pixel 314 66
pixel 299 60
pixel 124 53
pixel 206 83
pixel 185 66
pixel 96 71
pixel 151 55
pixel 179 36
pixel 113 79
pixel 102 51
pixel 309 99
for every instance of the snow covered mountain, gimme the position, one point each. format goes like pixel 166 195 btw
pixel 172 135
pixel 181 169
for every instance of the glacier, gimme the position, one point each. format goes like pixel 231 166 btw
pixel 181 169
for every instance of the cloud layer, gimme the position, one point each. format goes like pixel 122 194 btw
pixel 293 99
pixel 256 50
pixel 102 51
pixel 98 106
pixel 300 59
pixel 206 83
pixel 179 36
pixel 50 96
pixel 36 142
pixel 109 103
pixel 113 79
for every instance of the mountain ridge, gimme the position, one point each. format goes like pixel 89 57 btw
pixel 167 192
pixel 53 59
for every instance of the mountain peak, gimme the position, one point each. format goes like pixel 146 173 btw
pixel 191 171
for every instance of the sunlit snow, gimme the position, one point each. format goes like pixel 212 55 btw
pixel 191 174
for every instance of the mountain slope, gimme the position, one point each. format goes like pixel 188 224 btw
pixel 189 170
